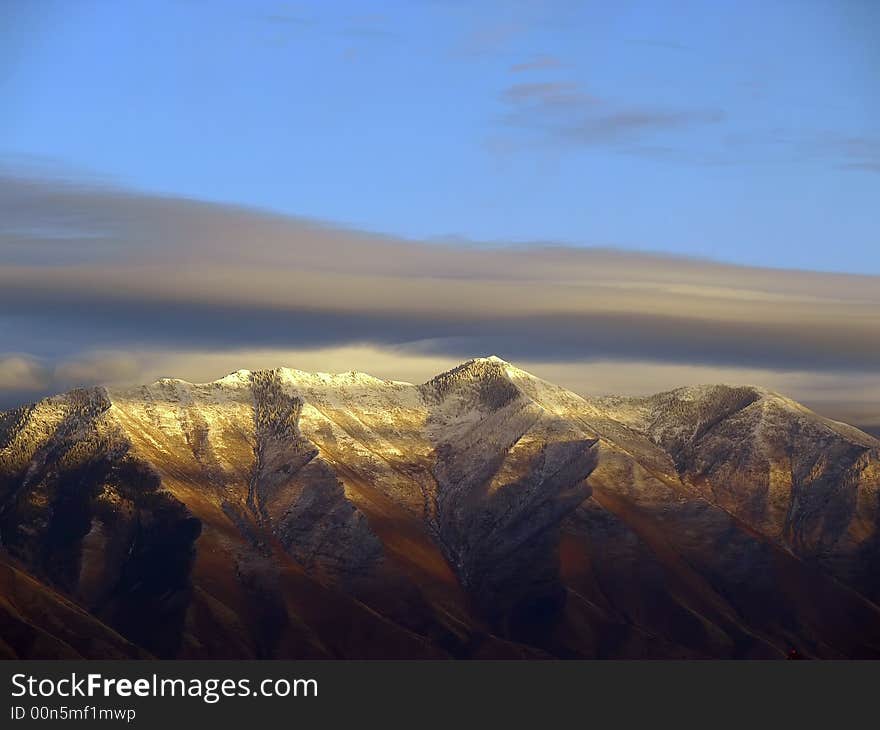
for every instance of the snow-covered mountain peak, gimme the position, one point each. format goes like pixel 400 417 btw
pixel 351 377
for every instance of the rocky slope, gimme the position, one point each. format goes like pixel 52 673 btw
pixel 485 513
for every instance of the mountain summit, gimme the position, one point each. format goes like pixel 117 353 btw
pixel 484 513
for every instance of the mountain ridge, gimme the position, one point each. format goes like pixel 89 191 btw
pixel 485 512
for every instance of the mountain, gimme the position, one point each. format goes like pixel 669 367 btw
pixel 483 514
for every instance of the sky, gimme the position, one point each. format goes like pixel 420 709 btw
pixel 621 196
pixel 744 131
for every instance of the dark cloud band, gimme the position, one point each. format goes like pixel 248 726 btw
pixel 85 268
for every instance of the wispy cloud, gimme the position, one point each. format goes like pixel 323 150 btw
pixel 546 94
pixel 564 112
pixel 538 63
pixel 659 43
pixel 840 150
pixel 289 19
pixel 854 152
pixel 489 38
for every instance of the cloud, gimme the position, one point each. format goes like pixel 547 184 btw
pixel 853 152
pixel 98 367
pixel 658 43
pixel 539 63
pixel 94 281
pixel 547 93
pixel 22 373
pixel 563 112
pixel 489 38
pixel 282 19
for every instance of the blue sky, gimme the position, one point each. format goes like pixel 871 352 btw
pixel 747 132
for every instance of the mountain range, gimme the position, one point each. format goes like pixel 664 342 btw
pixel 483 514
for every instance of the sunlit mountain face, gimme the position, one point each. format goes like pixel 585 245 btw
pixel 484 513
